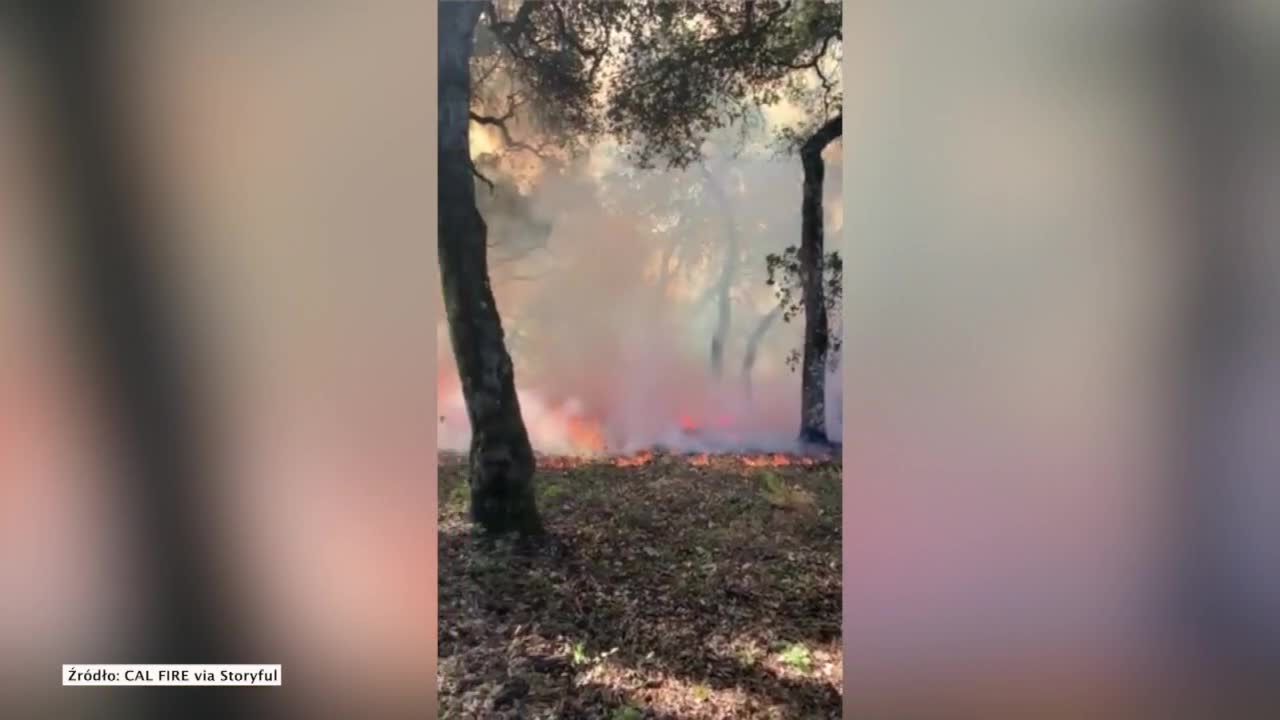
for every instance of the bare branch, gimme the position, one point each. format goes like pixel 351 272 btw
pixel 501 123
pixel 812 62
pixel 509 32
pixel 484 76
pixel 476 171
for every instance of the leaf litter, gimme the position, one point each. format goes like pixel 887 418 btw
pixel 663 589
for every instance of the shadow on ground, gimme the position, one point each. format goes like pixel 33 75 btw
pixel 665 590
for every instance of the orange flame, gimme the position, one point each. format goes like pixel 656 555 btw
pixel 559 462
pixel 642 458
pixel 586 435
pixel 775 460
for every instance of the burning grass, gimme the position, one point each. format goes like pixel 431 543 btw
pixel 670 586
pixel 722 461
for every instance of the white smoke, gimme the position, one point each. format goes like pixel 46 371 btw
pixel 601 341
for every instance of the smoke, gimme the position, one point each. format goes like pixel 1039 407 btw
pixel 634 302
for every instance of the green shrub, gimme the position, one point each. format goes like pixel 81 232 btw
pixel 781 495
pixel 797 657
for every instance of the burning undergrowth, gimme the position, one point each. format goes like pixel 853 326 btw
pixel 664 458
pixel 635 304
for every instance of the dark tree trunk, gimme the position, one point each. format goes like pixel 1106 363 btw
pixel 813 411
pixel 502 462
pixel 753 345
pixel 1230 409
pixel 133 342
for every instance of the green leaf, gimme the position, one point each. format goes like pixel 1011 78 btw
pixel 797 657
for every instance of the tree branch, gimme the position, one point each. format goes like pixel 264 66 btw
pixel 510 32
pixel 811 62
pixel 501 123
pixel 476 171
pixel 829 131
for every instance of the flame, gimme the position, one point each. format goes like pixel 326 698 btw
pixel 559 462
pixel 641 458
pixel 585 435
pixel 774 460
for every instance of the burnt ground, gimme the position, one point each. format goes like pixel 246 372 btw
pixel 674 587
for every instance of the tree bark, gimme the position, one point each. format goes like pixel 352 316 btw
pixel 813 422
pixel 501 461
pixel 133 342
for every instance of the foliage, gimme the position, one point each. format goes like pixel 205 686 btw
pixel 692 68
pixel 657 76
pixel 785 276
pixel 797 657
pixel 661 78
pixel 782 495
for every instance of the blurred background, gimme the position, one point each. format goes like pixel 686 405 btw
pixel 1062 372
pixel 229 453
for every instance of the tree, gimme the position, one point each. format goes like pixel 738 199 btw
pixel 134 342
pixel 817 334
pixel 692 68
pixel 551 55
pixel 681 72
pixel 722 287
pixel 753 345
pixel 1226 564
pixel 501 456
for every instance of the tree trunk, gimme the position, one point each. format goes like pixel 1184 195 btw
pixel 1231 410
pixel 724 317
pixel 502 462
pixel 133 343
pixel 753 345
pixel 813 411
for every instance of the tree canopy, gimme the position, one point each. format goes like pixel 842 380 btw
pixel 657 77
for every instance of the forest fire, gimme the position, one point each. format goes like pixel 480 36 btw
pixel 677 344
pixel 774 460
pixel 625 424
pixel 650 458
pixel 586 435
pixel 642 458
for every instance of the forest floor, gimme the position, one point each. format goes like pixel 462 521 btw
pixel 667 587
